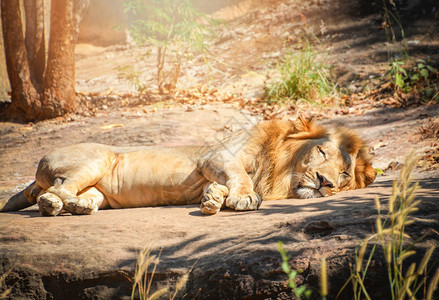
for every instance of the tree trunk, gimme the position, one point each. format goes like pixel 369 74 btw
pixel 35 41
pixel 4 80
pixel 80 6
pixel 59 84
pixel 25 99
pixel 39 91
pixel 59 81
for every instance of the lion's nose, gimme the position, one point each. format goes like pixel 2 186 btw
pixel 324 182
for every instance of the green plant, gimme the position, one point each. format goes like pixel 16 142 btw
pixel 143 278
pixel 301 76
pixel 397 73
pixel 420 75
pixel 130 74
pixel 300 291
pixel 391 16
pixel 407 76
pixel 174 26
pixel 395 243
pixel 423 75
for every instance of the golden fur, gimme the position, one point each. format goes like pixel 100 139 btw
pixel 283 149
pixel 275 160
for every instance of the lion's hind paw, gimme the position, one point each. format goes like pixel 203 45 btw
pixel 213 198
pixel 49 204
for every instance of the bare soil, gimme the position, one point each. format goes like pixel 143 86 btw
pixel 57 257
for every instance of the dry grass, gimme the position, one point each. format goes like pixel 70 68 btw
pixel 143 278
pixel 405 280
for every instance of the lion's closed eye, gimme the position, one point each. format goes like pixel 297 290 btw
pixel 346 175
pixel 321 152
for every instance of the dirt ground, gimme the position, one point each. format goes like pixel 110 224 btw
pixel 211 102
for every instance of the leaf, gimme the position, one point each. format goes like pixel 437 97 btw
pixel 403 71
pixel 428 92
pixel 300 290
pixel 379 171
pixel 110 126
pixel 415 77
pixel 286 267
pixel 291 284
pixel 293 274
pixel 431 69
pixel 424 73
pixel 399 80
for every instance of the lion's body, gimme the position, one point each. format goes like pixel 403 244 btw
pixel 128 177
pixel 275 160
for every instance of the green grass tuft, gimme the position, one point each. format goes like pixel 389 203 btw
pixel 301 76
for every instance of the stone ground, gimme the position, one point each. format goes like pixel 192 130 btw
pixel 229 255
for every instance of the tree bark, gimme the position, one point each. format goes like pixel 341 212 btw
pixel 59 81
pixel 35 41
pixel 59 84
pixel 4 80
pixel 40 91
pixel 80 6
pixel 25 99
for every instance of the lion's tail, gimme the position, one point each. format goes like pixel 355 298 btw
pixel 23 199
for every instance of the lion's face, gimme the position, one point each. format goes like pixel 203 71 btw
pixel 324 169
pixel 313 162
pixel 338 161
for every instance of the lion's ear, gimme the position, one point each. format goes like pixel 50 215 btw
pixel 351 143
pixel 369 175
pixel 302 124
pixel 365 174
pixel 305 129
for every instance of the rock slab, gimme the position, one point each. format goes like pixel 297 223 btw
pixel 231 255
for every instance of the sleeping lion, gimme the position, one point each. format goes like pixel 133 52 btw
pixel 275 160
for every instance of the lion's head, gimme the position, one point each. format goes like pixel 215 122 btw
pixel 303 160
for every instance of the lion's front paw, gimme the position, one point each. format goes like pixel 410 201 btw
pixel 213 198
pixel 250 201
pixel 49 204
pixel 80 206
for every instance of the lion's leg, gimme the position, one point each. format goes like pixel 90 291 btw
pixel 241 195
pixel 213 198
pixel 68 172
pixel 66 190
pixel 75 187
pixel 228 170
pixel 53 200
pixel 86 203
